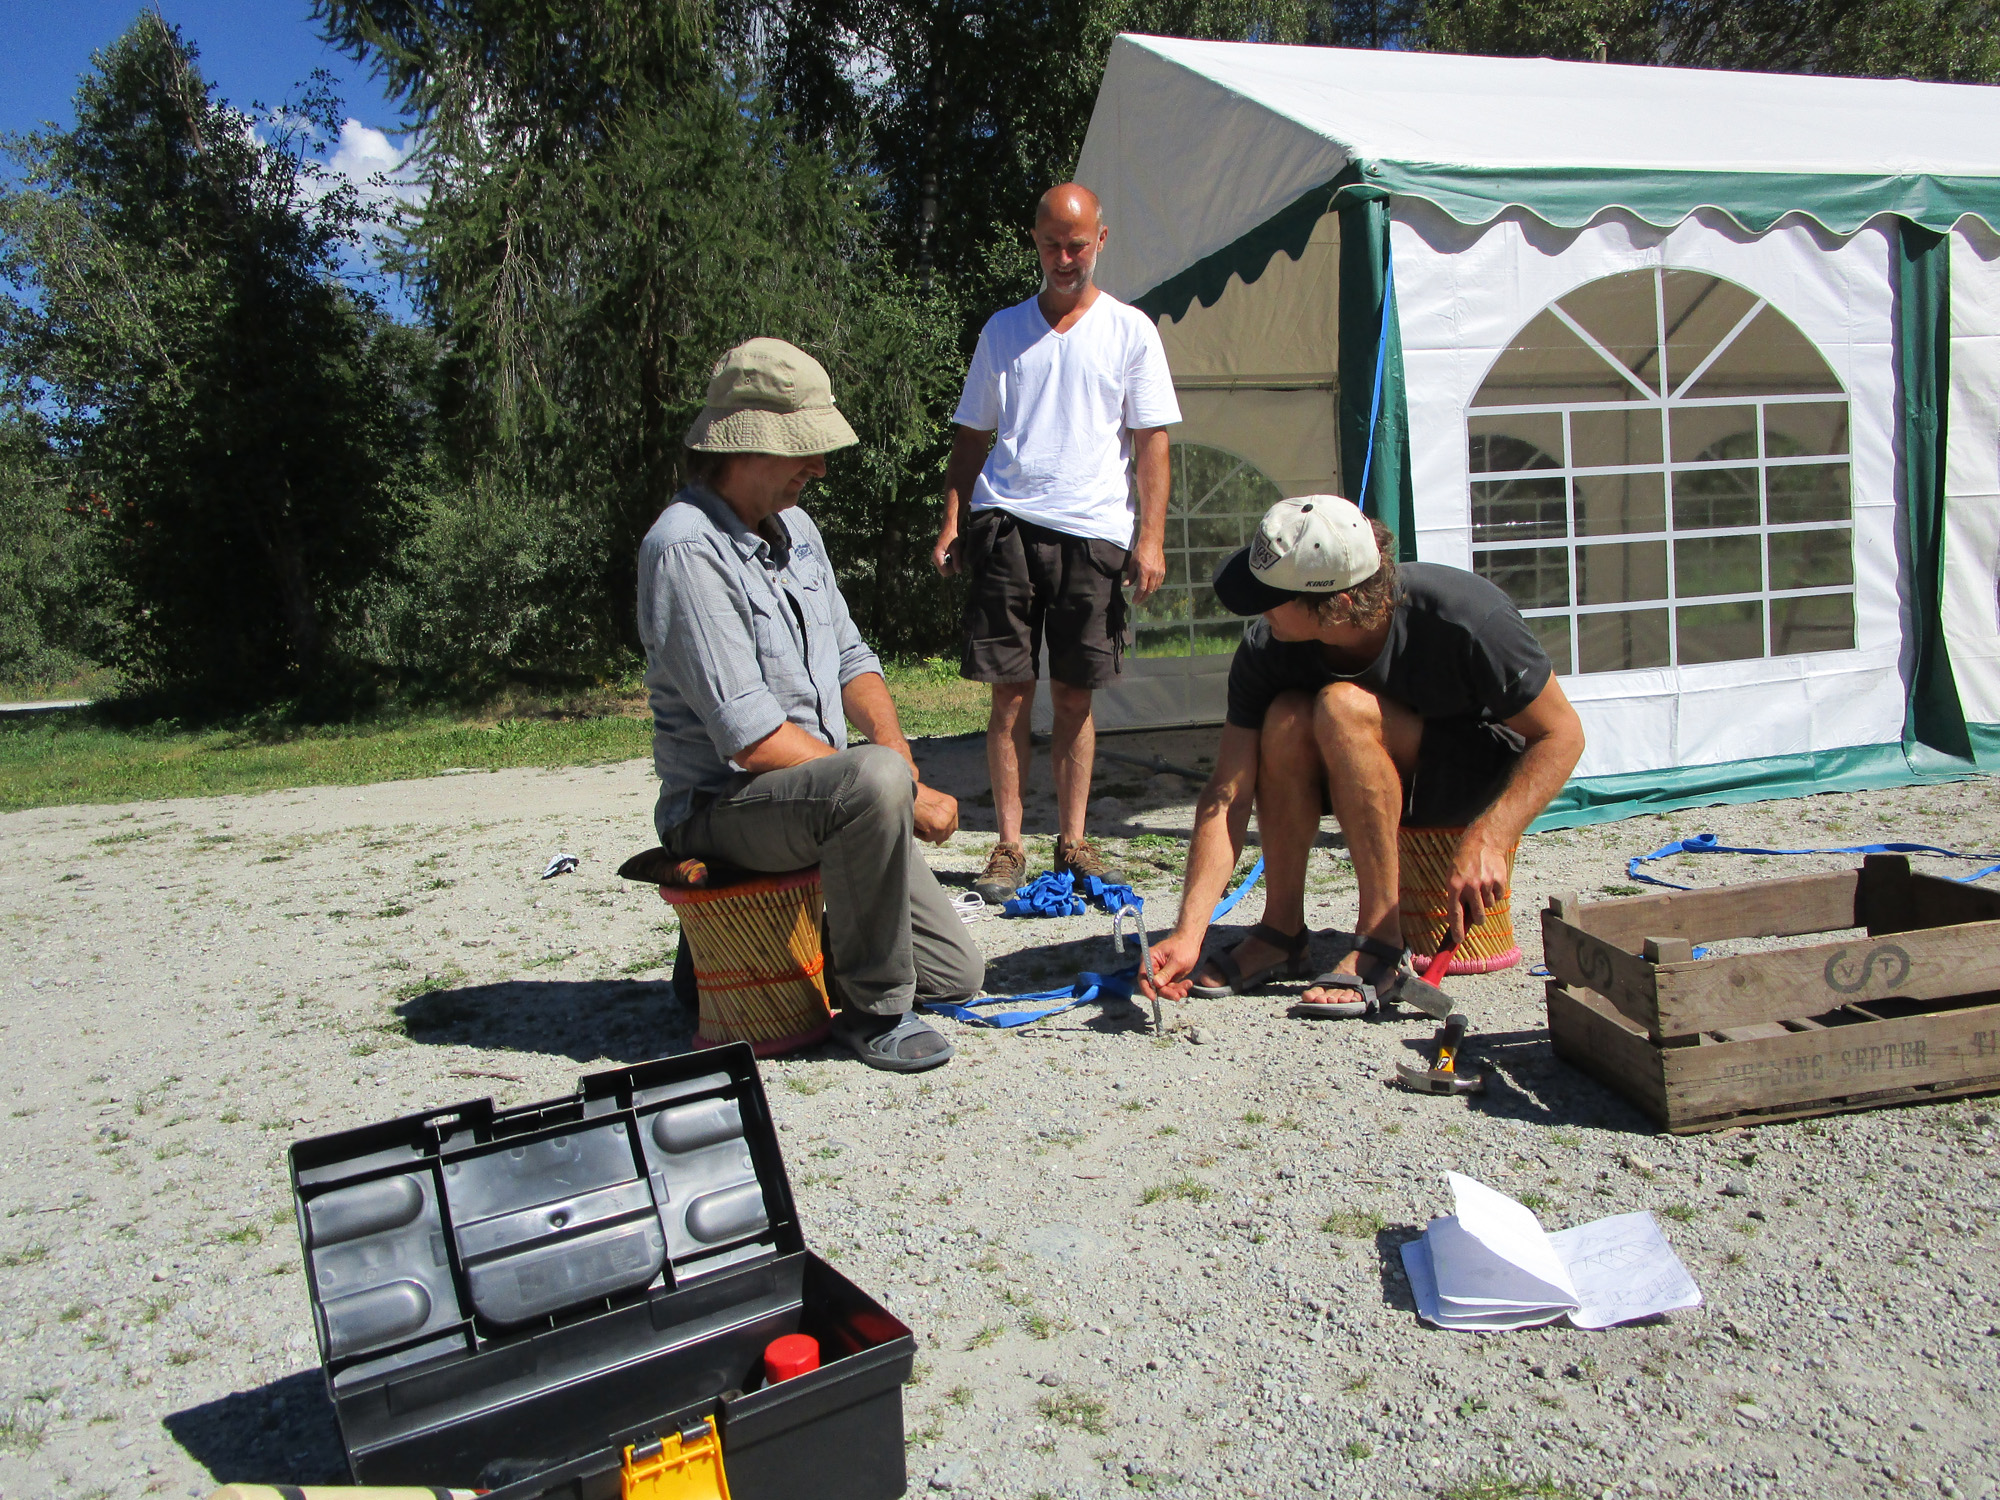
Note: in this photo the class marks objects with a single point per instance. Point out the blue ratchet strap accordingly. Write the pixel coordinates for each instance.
(1706, 843)
(1053, 895)
(1088, 986)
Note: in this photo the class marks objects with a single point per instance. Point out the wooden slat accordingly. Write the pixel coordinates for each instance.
(1582, 960)
(1956, 1048)
(1766, 908)
(1751, 1032)
(1589, 1034)
(1667, 950)
(1712, 993)
(1931, 902)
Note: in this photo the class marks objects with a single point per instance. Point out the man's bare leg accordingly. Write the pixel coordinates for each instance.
(1008, 752)
(1367, 745)
(1072, 755)
(1289, 777)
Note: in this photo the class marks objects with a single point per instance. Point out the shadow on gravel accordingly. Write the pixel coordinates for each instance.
(281, 1433)
(1526, 1081)
(1389, 1266)
(624, 1020)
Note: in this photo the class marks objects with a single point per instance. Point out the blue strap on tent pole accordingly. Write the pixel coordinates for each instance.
(1381, 365)
(1088, 986)
(1706, 843)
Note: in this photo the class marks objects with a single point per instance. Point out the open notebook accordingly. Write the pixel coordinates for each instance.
(1491, 1265)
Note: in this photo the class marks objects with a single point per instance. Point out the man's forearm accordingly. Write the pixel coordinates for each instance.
(1543, 768)
(787, 745)
(1219, 831)
(1155, 474)
(867, 702)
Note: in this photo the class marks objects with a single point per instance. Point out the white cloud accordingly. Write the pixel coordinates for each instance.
(378, 165)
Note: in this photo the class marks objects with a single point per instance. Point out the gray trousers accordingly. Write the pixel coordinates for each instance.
(893, 934)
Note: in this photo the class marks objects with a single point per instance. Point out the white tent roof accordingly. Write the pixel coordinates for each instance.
(1193, 144)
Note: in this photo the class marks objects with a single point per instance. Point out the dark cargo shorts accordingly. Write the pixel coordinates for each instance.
(1027, 583)
(1463, 765)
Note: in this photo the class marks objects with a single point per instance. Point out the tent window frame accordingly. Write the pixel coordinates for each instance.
(1178, 607)
(1689, 603)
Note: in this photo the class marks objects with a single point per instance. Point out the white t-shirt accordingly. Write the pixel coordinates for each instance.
(1063, 407)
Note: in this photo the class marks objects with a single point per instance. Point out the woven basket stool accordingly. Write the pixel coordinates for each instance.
(759, 970)
(1424, 858)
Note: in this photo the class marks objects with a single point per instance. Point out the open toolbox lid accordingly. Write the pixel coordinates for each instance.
(508, 1287)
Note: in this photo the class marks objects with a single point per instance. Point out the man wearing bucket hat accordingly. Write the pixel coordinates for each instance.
(1387, 693)
(754, 669)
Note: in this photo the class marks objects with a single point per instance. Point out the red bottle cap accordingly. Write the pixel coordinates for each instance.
(794, 1354)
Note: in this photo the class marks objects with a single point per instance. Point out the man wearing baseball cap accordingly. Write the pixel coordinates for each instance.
(1389, 693)
(754, 669)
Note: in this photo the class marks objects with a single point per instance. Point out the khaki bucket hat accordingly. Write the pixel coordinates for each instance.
(768, 396)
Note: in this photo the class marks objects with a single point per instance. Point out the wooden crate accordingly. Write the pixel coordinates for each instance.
(1911, 1011)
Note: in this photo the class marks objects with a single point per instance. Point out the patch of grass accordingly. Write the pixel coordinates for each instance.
(22, 1432)
(959, 1396)
(1539, 1202)
(1253, 1117)
(1133, 1106)
(989, 1261)
(1748, 1228)
(1356, 1384)
(1078, 1410)
(1491, 1484)
(1290, 1122)
(808, 1083)
(1681, 1213)
(1471, 1406)
(84, 756)
(179, 1357)
(984, 1337)
(1565, 1138)
(74, 1313)
(154, 1308)
(1357, 1450)
(932, 699)
(230, 1116)
(1619, 890)
(249, 1234)
(1040, 1325)
(1165, 1130)
(27, 1255)
(1185, 1188)
(1354, 1223)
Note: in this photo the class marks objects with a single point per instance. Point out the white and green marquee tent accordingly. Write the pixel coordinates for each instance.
(1702, 368)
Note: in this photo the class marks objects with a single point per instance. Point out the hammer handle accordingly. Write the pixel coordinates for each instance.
(1440, 961)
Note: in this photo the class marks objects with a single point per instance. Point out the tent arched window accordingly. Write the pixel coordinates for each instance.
(1659, 478)
(1216, 503)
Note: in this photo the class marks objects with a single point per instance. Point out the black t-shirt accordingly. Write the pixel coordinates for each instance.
(1457, 648)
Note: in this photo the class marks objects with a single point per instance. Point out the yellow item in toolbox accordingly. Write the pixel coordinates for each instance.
(680, 1466)
(341, 1492)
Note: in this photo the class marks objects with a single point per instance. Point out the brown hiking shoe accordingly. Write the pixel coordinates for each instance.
(1006, 868)
(1080, 859)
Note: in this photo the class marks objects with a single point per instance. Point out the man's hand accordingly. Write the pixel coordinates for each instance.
(936, 814)
(1175, 958)
(1147, 569)
(944, 556)
(1478, 880)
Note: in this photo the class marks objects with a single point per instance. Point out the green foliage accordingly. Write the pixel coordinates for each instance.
(612, 202)
(52, 627)
(236, 417)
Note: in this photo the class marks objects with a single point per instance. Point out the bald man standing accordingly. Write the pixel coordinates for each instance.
(1069, 396)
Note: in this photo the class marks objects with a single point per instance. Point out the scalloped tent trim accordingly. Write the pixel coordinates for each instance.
(1571, 197)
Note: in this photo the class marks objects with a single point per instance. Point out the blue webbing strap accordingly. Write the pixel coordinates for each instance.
(1381, 363)
(1053, 895)
(1706, 843)
(1088, 986)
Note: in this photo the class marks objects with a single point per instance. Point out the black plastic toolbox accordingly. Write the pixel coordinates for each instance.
(506, 1298)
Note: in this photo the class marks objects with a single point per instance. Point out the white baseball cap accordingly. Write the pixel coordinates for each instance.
(1310, 544)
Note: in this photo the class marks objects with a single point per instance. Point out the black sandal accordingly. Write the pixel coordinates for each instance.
(1372, 993)
(1296, 962)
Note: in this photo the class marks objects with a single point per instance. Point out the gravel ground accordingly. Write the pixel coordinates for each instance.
(1135, 1262)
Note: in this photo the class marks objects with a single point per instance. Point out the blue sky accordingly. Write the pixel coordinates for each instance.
(254, 51)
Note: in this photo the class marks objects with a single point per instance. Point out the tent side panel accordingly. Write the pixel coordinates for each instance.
(1972, 487)
(1465, 293)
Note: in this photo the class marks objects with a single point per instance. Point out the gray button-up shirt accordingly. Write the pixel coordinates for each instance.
(740, 636)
